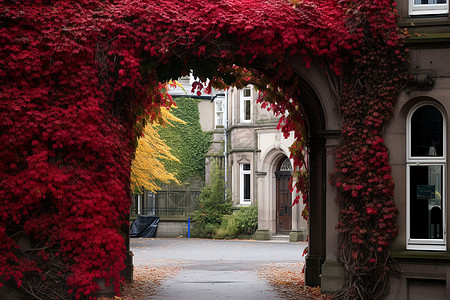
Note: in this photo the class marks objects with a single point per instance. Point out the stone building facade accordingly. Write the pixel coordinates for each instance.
(255, 157)
(417, 137)
(259, 167)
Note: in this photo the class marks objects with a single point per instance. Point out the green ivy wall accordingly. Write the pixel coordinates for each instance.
(188, 142)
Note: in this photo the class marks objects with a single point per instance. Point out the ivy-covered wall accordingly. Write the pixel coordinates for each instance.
(188, 142)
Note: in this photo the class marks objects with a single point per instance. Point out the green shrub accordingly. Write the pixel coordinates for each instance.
(228, 228)
(247, 220)
(243, 222)
(211, 206)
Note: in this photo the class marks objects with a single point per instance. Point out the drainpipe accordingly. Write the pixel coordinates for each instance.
(225, 137)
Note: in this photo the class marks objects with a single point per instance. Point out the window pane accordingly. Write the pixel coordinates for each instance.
(426, 202)
(247, 92)
(220, 106)
(247, 109)
(427, 132)
(219, 120)
(246, 186)
(419, 2)
(246, 167)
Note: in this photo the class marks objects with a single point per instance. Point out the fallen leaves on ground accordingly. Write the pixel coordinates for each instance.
(289, 281)
(145, 281)
(286, 278)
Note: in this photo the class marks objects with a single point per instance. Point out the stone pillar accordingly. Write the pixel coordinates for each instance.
(296, 233)
(295, 217)
(262, 233)
(127, 273)
(318, 178)
(332, 271)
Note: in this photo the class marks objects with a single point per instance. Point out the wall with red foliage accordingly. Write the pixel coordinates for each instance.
(79, 79)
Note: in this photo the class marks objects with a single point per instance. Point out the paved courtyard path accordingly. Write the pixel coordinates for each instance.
(214, 269)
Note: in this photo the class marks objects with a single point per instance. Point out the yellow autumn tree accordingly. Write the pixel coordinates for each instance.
(147, 168)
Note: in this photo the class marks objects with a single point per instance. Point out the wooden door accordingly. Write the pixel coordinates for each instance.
(284, 203)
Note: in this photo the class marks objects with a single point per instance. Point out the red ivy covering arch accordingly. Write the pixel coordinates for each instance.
(79, 79)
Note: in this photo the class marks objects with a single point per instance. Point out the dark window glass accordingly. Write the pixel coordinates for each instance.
(246, 186)
(426, 202)
(430, 1)
(427, 132)
(246, 167)
(247, 109)
(247, 92)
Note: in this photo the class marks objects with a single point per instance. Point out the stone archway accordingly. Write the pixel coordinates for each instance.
(321, 106)
(86, 97)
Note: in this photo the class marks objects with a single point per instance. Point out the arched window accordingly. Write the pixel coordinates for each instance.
(286, 166)
(426, 189)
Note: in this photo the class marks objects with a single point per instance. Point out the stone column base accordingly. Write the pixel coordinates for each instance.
(10, 291)
(105, 290)
(297, 236)
(262, 235)
(332, 277)
(127, 273)
(313, 269)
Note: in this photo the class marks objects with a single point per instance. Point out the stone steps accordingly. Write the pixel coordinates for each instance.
(280, 237)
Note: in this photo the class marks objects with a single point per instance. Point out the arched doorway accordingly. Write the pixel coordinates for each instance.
(283, 196)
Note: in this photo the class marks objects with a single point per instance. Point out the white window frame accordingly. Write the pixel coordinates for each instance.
(427, 9)
(243, 172)
(242, 103)
(219, 121)
(426, 244)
